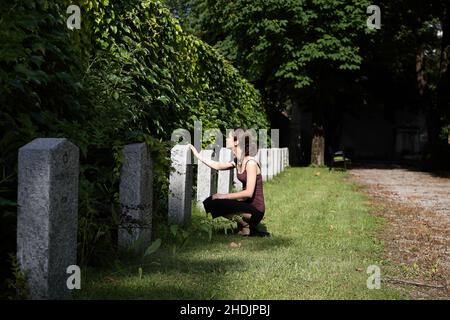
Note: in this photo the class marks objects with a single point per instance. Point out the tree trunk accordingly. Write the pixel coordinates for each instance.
(318, 140)
(318, 148)
(420, 70)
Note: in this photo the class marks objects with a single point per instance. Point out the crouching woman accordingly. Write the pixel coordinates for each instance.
(248, 203)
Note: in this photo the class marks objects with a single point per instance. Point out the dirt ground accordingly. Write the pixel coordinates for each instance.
(417, 238)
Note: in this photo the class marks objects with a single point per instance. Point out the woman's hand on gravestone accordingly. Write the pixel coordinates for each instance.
(194, 151)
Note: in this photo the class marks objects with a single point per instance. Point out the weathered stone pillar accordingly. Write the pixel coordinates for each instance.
(271, 163)
(257, 155)
(225, 177)
(287, 157)
(275, 161)
(276, 158)
(236, 183)
(47, 215)
(205, 179)
(264, 163)
(136, 196)
(280, 160)
(180, 185)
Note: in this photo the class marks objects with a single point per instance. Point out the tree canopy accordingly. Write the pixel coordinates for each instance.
(320, 53)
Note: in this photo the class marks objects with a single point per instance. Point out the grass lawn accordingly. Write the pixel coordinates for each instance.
(323, 239)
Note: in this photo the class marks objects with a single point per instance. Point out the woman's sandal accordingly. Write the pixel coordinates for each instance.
(254, 232)
(242, 227)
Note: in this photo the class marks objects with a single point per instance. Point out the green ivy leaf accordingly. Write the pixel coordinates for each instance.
(153, 247)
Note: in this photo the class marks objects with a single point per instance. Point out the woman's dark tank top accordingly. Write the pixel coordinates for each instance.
(257, 199)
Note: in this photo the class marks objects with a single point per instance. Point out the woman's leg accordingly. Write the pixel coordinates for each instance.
(245, 224)
(246, 217)
(228, 208)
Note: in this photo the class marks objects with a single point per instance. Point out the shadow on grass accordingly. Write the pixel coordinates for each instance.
(126, 292)
(200, 270)
(175, 277)
(255, 243)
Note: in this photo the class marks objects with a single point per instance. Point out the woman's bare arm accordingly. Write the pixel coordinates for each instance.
(252, 170)
(211, 163)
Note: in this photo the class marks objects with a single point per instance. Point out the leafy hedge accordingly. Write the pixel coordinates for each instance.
(129, 75)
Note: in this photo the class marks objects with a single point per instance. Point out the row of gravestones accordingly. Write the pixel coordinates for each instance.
(272, 161)
(47, 215)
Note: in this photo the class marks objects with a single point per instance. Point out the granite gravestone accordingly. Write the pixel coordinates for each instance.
(136, 189)
(47, 215)
(180, 185)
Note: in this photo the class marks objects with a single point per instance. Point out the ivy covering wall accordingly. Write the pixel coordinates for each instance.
(130, 74)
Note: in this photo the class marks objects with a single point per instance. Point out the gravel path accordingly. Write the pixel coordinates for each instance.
(410, 188)
(417, 207)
